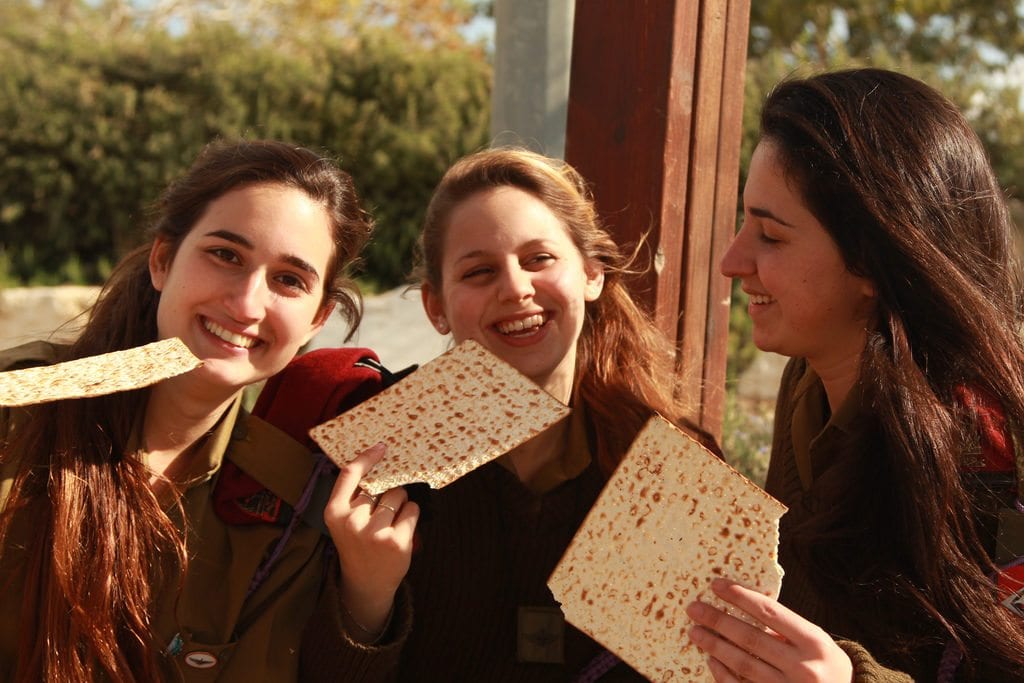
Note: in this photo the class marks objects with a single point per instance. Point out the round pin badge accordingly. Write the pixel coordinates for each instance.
(201, 660)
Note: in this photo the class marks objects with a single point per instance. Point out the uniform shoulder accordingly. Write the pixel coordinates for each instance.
(31, 354)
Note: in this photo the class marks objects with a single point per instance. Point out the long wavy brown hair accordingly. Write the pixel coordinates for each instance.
(625, 366)
(898, 178)
(97, 530)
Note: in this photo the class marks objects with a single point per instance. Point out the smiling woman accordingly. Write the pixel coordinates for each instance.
(112, 529)
(803, 300)
(514, 257)
(244, 289)
(877, 250)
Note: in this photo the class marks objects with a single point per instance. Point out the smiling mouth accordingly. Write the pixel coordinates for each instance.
(241, 340)
(760, 299)
(521, 327)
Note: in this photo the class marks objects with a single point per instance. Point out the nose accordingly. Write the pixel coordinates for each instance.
(246, 298)
(515, 284)
(738, 260)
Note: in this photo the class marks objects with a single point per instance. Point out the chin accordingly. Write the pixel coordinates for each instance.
(231, 380)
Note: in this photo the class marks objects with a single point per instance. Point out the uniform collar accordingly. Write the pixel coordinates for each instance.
(813, 424)
(570, 463)
(210, 451)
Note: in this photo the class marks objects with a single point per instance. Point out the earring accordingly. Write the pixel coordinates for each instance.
(442, 325)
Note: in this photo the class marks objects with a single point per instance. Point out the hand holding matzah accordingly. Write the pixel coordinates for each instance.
(455, 413)
(106, 373)
(789, 649)
(672, 518)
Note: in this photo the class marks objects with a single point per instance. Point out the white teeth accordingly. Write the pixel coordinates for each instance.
(514, 326)
(229, 337)
(760, 299)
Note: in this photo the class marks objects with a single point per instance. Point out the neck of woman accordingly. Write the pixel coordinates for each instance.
(838, 379)
(174, 424)
(530, 458)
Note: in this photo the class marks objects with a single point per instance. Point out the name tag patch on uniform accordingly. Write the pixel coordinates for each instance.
(201, 660)
(541, 635)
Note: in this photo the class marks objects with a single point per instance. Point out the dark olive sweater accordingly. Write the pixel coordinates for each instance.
(817, 460)
(486, 547)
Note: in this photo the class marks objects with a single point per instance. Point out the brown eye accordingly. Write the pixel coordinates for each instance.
(292, 281)
(225, 254)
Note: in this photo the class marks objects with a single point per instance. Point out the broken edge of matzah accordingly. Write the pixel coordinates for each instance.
(672, 518)
(454, 414)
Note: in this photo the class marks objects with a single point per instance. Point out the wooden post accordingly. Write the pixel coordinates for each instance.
(654, 123)
(532, 47)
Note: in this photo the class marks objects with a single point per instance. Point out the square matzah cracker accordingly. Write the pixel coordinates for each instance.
(106, 373)
(457, 412)
(672, 518)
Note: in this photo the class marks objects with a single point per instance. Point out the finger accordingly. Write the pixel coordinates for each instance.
(363, 497)
(405, 522)
(386, 509)
(354, 471)
(738, 663)
(744, 636)
(720, 672)
(393, 498)
(768, 611)
(389, 505)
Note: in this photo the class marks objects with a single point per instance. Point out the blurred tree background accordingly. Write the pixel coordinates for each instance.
(103, 102)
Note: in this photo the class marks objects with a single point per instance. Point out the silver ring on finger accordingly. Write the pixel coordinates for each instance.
(387, 507)
(369, 496)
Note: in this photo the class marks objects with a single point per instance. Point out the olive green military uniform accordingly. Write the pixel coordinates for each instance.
(210, 630)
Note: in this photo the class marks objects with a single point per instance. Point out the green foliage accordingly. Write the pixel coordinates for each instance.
(401, 120)
(958, 46)
(95, 121)
(741, 349)
(747, 436)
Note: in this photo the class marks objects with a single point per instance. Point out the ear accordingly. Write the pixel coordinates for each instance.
(595, 280)
(434, 308)
(319, 321)
(868, 289)
(159, 263)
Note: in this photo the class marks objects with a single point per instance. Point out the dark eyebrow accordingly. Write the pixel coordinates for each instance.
(765, 213)
(235, 238)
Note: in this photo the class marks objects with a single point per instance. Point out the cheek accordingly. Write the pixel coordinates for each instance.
(567, 284)
(303, 318)
(462, 309)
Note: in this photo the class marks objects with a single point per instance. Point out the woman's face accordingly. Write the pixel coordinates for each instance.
(803, 300)
(513, 280)
(245, 287)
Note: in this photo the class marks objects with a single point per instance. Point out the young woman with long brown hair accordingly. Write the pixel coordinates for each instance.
(514, 257)
(115, 563)
(877, 252)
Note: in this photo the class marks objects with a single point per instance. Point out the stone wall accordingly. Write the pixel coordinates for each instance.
(28, 313)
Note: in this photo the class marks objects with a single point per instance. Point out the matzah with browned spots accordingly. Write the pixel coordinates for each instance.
(672, 518)
(106, 373)
(457, 412)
